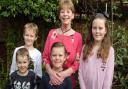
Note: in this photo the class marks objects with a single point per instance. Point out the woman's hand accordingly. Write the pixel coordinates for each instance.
(55, 79)
(61, 75)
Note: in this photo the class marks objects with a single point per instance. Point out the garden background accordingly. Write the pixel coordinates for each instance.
(15, 13)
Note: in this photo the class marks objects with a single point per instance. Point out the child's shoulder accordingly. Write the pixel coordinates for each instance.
(35, 51)
(111, 50)
(31, 73)
(45, 74)
(17, 48)
(52, 31)
(13, 74)
(68, 79)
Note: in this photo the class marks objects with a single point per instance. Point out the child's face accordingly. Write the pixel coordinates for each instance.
(58, 57)
(22, 64)
(98, 29)
(66, 16)
(29, 37)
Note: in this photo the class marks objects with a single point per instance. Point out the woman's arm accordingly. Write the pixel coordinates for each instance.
(74, 67)
(54, 78)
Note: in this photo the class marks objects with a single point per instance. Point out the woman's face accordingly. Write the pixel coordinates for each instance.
(98, 29)
(66, 15)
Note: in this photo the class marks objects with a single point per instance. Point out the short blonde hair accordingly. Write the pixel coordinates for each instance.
(31, 26)
(66, 4)
(22, 52)
(59, 44)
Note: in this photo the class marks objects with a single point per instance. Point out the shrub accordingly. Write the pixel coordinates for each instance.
(120, 43)
(31, 8)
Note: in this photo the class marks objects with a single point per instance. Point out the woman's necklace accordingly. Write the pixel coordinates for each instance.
(66, 30)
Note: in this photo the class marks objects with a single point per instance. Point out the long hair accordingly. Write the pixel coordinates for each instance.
(103, 51)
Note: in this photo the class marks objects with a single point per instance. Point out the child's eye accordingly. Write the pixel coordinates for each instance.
(68, 11)
(26, 35)
(19, 62)
(100, 28)
(62, 11)
(60, 55)
(24, 62)
(53, 55)
(31, 36)
(94, 27)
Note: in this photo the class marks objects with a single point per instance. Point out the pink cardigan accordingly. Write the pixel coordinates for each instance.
(94, 74)
(72, 43)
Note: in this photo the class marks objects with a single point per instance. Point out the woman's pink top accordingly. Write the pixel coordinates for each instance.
(73, 44)
(94, 74)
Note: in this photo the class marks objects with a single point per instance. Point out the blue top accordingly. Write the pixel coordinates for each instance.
(67, 83)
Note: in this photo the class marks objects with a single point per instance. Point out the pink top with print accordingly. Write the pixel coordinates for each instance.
(73, 44)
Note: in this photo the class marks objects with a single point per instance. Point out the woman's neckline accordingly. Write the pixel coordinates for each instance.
(65, 31)
(59, 31)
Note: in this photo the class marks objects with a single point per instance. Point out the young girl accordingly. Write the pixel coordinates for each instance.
(58, 58)
(30, 35)
(97, 58)
(70, 38)
(22, 78)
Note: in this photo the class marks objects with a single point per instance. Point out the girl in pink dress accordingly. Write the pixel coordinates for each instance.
(70, 38)
(97, 57)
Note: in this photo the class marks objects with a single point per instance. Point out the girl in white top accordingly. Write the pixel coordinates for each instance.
(30, 35)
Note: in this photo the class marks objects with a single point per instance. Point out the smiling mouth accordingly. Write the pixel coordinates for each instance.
(65, 18)
(56, 62)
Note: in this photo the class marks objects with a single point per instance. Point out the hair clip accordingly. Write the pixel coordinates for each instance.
(104, 14)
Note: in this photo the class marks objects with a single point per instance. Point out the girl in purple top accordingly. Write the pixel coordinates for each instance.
(97, 57)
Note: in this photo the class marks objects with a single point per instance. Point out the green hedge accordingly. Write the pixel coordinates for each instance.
(120, 43)
(32, 8)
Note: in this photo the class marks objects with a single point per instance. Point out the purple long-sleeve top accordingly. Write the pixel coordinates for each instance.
(94, 74)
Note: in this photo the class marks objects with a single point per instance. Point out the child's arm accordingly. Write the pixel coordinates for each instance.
(8, 85)
(38, 68)
(110, 70)
(13, 65)
(80, 72)
(38, 84)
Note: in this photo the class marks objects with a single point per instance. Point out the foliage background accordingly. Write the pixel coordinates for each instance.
(15, 13)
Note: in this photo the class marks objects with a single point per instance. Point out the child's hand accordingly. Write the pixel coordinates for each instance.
(55, 79)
